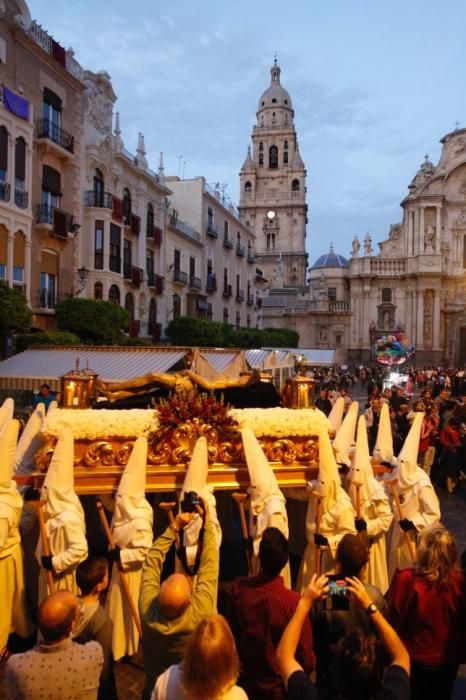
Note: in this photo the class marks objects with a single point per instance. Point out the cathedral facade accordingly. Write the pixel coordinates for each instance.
(414, 283)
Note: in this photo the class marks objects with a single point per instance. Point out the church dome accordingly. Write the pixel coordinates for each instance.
(275, 95)
(330, 259)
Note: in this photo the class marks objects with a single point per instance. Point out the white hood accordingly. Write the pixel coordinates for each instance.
(408, 470)
(9, 494)
(58, 486)
(29, 442)
(6, 413)
(198, 469)
(264, 486)
(361, 474)
(344, 439)
(328, 479)
(130, 500)
(336, 414)
(383, 449)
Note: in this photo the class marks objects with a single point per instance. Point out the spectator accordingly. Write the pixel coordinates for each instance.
(403, 422)
(57, 667)
(172, 610)
(427, 607)
(323, 403)
(372, 418)
(260, 609)
(450, 440)
(210, 667)
(359, 662)
(331, 621)
(93, 623)
(44, 396)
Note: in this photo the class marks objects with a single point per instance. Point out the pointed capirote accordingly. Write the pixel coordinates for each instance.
(58, 486)
(8, 439)
(336, 414)
(6, 413)
(408, 470)
(344, 439)
(29, 442)
(383, 448)
(263, 480)
(198, 469)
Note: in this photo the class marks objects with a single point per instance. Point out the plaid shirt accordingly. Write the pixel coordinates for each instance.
(261, 607)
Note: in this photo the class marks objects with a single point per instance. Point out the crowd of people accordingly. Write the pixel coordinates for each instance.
(377, 608)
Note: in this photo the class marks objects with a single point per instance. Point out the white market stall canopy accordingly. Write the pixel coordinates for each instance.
(318, 358)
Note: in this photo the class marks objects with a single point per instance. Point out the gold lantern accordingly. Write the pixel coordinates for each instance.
(78, 388)
(302, 390)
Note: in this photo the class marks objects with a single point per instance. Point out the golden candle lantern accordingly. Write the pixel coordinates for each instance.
(78, 388)
(302, 391)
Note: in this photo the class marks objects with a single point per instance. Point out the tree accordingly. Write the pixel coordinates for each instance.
(280, 338)
(94, 321)
(201, 332)
(15, 315)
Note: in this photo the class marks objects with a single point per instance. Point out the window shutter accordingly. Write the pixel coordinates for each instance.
(49, 263)
(52, 99)
(51, 180)
(3, 148)
(20, 158)
(115, 235)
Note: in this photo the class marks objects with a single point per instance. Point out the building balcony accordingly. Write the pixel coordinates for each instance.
(212, 231)
(180, 277)
(156, 282)
(227, 291)
(55, 221)
(21, 198)
(114, 263)
(127, 271)
(137, 276)
(250, 300)
(240, 250)
(239, 295)
(195, 283)
(102, 200)
(4, 191)
(211, 285)
(339, 306)
(388, 267)
(251, 257)
(55, 138)
(227, 242)
(154, 235)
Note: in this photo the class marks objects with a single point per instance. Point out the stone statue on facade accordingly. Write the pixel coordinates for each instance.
(368, 244)
(355, 246)
(429, 238)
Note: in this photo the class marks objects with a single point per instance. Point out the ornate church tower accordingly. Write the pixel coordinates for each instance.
(273, 189)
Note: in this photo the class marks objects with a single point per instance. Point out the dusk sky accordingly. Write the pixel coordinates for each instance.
(374, 86)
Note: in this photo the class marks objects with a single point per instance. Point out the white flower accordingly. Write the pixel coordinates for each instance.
(88, 424)
(281, 422)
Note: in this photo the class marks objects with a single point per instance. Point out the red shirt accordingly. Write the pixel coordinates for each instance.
(430, 619)
(261, 608)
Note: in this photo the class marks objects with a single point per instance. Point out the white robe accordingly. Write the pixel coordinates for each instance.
(14, 616)
(420, 505)
(68, 545)
(336, 522)
(378, 515)
(134, 539)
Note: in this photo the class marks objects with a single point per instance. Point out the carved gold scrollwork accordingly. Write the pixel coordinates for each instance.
(310, 451)
(159, 452)
(44, 455)
(98, 452)
(282, 451)
(229, 452)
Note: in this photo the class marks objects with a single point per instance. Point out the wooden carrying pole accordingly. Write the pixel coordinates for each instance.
(409, 542)
(240, 498)
(317, 531)
(363, 534)
(45, 543)
(168, 508)
(124, 581)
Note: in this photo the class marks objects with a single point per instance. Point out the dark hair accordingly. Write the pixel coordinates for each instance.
(44, 386)
(90, 573)
(359, 665)
(273, 551)
(352, 555)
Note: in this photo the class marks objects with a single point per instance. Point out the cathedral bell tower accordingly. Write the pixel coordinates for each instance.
(273, 189)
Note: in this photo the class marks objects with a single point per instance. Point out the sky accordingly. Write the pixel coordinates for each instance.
(374, 84)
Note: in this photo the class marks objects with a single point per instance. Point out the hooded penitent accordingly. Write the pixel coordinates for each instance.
(328, 483)
(344, 439)
(58, 486)
(9, 495)
(196, 480)
(29, 442)
(6, 413)
(408, 470)
(361, 474)
(383, 449)
(336, 414)
(264, 489)
(130, 500)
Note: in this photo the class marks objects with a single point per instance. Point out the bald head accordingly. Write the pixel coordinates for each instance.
(57, 614)
(175, 596)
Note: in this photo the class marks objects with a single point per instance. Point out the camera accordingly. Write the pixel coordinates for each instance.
(337, 587)
(337, 593)
(190, 502)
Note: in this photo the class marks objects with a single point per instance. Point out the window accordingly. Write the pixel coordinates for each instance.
(273, 157)
(51, 111)
(177, 260)
(210, 218)
(238, 319)
(129, 305)
(285, 157)
(225, 315)
(18, 276)
(387, 295)
(98, 188)
(3, 153)
(19, 256)
(114, 294)
(152, 317)
(248, 321)
(270, 241)
(2, 271)
(127, 259)
(51, 187)
(261, 160)
(99, 245)
(238, 284)
(332, 293)
(98, 291)
(261, 146)
(20, 163)
(295, 186)
(48, 290)
(225, 278)
(285, 144)
(176, 306)
(150, 265)
(126, 207)
(225, 229)
(115, 249)
(338, 340)
(150, 221)
(274, 100)
(247, 186)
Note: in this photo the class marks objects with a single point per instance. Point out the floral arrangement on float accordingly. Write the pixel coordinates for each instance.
(393, 349)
